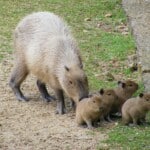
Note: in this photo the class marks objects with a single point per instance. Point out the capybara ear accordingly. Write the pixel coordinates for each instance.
(101, 91)
(123, 85)
(119, 82)
(67, 69)
(141, 95)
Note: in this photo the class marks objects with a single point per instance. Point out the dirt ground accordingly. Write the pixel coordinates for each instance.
(34, 125)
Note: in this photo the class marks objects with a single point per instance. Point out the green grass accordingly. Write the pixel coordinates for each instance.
(103, 49)
(129, 138)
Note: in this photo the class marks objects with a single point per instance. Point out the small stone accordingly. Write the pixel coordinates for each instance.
(108, 15)
(87, 19)
(116, 123)
(85, 31)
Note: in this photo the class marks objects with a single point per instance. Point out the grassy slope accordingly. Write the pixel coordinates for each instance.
(103, 48)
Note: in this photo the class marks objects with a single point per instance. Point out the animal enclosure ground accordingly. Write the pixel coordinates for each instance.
(34, 124)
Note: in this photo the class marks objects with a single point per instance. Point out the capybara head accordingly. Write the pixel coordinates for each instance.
(145, 100)
(75, 83)
(108, 95)
(96, 103)
(128, 86)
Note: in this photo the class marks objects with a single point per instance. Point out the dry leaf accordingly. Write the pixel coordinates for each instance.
(125, 33)
(108, 15)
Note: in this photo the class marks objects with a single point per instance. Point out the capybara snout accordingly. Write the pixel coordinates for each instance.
(75, 84)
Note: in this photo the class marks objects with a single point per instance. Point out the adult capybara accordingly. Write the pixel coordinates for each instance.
(45, 47)
(134, 110)
(109, 97)
(89, 110)
(124, 91)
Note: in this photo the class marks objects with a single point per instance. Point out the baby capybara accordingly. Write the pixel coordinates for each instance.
(108, 96)
(124, 91)
(134, 110)
(89, 110)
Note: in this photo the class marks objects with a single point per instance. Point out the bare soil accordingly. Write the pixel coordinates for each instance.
(34, 125)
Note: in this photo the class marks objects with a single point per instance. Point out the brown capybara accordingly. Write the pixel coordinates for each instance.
(124, 91)
(108, 96)
(45, 47)
(134, 109)
(89, 110)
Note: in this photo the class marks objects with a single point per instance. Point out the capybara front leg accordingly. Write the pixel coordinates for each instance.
(108, 118)
(73, 104)
(135, 121)
(17, 77)
(89, 124)
(42, 88)
(60, 102)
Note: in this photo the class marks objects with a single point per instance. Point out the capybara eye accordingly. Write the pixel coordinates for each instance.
(130, 84)
(70, 82)
(109, 94)
(147, 99)
(93, 101)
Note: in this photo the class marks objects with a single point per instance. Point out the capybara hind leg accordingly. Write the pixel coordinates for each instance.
(17, 77)
(43, 91)
(60, 102)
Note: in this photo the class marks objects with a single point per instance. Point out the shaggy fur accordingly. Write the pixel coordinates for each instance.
(45, 47)
(89, 110)
(124, 91)
(134, 110)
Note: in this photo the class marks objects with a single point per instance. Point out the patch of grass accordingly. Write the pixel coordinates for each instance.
(124, 137)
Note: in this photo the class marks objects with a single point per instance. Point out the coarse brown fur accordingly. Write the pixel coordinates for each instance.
(109, 97)
(134, 110)
(89, 110)
(124, 91)
(45, 47)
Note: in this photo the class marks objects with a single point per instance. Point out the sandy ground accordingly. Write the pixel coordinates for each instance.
(34, 125)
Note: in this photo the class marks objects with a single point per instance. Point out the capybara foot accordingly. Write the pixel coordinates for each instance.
(82, 126)
(60, 111)
(22, 98)
(44, 92)
(48, 98)
(132, 125)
